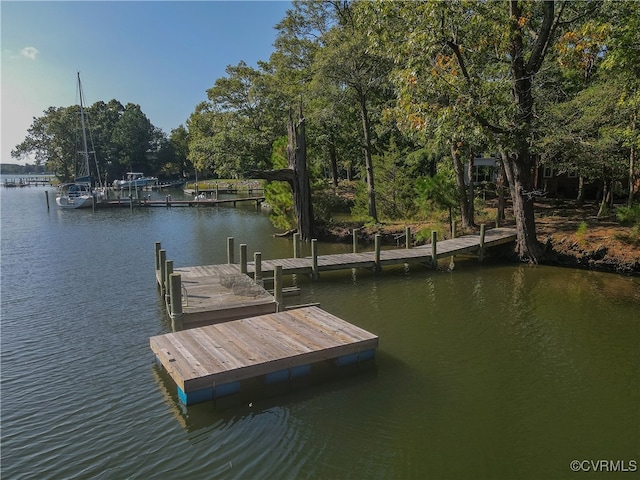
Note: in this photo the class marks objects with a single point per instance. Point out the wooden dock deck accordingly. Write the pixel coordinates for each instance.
(344, 261)
(209, 362)
(219, 293)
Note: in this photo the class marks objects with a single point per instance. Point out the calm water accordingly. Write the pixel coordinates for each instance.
(489, 371)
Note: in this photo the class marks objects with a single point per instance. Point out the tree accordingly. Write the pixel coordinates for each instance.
(297, 176)
(54, 141)
(233, 132)
(132, 136)
(346, 60)
(623, 57)
(487, 57)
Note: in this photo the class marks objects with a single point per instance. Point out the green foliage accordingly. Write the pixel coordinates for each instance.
(629, 216)
(360, 209)
(122, 138)
(436, 193)
(424, 235)
(326, 203)
(394, 184)
(582, 228)
(278, 194)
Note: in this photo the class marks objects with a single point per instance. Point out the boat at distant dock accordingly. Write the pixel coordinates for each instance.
(135, 180)
(81, 193)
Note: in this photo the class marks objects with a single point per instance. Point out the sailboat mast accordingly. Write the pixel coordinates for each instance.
(85, 150)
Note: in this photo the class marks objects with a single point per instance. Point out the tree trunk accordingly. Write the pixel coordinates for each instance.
(296, 176)
(461, 187)
(297, 156)
(519, 165)
(501, 200)
(606, 192)
(333, 161)
(368, 160)
(632, 164)
(518, 171)
(580, 196)
(471, 192)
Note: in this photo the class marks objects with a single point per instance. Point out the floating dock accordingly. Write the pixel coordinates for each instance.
(209, 362)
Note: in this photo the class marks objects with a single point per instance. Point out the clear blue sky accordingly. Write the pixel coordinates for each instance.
(162, 55)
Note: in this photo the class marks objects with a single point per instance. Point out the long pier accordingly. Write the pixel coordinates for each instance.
(204, 294)
(168, 202)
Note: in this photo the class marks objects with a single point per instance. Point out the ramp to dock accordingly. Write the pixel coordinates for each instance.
(208, 362)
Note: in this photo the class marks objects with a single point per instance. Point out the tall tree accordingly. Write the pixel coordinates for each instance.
(492, 54)
(132, 137)
(346, 60)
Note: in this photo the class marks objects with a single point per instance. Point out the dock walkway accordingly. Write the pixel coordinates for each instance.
(422, 254)
(210, 361)
(168, 202)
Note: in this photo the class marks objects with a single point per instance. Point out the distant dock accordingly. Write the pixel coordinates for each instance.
(168, 202)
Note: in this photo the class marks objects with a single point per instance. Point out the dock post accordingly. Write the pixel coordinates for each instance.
(175, 297)
(355, 240)
(407, 237)
(168, 270)
(453, 229)
(481, 249)
(46, 195)
(243, 258)
(163, 265)
(296, 245)
(230, 258)
(314, 257)
(157, 247)
(434, 253)
(257, 271)
(277, 287)
(131, 203)
(377, 242)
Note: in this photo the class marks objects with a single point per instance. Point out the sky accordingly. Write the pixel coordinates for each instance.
(161, 55)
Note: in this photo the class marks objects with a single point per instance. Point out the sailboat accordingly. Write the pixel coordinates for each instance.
(81, 194)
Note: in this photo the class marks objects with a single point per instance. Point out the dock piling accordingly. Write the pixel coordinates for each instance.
(257, 263)
(434, 253)
(481, 248)
(296, 245)
(175, 297)
(46, 195)
(163, 265)
(168, 270)
(355, 240)
(377, 243)
(314, 256)
(157, 246)
(230, 259)
(407, 237)
(243, 258)
(277, 287)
